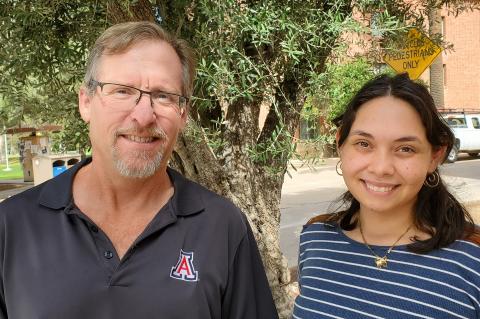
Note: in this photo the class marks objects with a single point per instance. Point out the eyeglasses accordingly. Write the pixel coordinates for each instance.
(127, 97)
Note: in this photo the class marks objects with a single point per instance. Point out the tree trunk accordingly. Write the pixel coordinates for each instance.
(256, 192)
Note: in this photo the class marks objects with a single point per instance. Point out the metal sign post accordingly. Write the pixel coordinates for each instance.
(8, 168)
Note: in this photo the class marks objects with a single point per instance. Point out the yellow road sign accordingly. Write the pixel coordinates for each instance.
(415, 55)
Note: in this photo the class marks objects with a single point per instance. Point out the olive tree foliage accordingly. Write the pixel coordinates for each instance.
(334, 87)
(42, 57)
(258, 61)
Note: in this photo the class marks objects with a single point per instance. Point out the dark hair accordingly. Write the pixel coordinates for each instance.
(437, 212)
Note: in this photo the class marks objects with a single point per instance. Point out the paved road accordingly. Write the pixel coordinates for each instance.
(467, 167)
(309, 193)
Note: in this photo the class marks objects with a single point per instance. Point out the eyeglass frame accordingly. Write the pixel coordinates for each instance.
(94, 83)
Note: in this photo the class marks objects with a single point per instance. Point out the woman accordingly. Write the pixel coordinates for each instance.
(404, 247)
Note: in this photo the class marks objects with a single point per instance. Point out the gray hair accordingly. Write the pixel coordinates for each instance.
(121, 37)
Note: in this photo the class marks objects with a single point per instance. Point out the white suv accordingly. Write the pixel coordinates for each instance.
(465, 125)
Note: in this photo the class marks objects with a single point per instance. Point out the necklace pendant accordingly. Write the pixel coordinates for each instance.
(381, 262)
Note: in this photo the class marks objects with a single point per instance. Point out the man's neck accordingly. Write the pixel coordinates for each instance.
(122, 207)
(116, 194)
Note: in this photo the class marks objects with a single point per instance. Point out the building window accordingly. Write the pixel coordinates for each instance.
(444, 28)
(444, 75)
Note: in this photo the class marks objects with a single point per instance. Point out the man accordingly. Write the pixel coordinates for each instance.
(121, 235)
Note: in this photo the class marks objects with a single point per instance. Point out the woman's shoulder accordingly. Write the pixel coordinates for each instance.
(474, 237)
(464, 251)
(320, 224)
(322, 219)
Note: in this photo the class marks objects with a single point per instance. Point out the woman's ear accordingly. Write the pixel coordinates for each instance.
(437, 157)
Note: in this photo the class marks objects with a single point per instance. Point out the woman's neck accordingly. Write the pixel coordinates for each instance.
(379, 227)
(383, 229)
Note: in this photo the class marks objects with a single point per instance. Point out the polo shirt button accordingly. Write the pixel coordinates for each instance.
(108, 254)
(94, 228)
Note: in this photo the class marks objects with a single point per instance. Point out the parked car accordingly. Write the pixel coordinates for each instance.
(465, 125)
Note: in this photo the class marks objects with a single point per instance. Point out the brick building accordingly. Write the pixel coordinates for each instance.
(454, 76)
(461, 67)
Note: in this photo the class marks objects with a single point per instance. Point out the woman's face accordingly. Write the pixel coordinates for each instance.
(386, 156)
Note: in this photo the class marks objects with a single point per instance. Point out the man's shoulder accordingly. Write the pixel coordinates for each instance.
(28, 198)
(53, 194)
(202, 206)
(22, 211)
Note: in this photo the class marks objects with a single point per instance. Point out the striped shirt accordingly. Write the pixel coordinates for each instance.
(338, 279)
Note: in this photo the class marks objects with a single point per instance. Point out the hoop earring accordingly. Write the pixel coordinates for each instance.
(338, 168)
(432, 180)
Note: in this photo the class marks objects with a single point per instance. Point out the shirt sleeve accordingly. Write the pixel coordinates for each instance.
(3, 306)
(3, 312)
(248, 294)
(301, 250)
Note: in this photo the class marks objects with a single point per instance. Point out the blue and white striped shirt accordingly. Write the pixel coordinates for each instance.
(338, 279)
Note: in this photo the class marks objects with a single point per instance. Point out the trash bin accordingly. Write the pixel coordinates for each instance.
(58, 167)
(72, 162)
(48, 166)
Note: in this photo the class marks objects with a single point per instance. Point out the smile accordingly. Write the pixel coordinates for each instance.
(140, 139)
(379, 189)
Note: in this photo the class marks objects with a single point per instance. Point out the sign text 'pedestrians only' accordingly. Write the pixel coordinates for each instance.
(415, 55)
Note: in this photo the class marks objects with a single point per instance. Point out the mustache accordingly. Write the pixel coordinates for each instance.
(156, 132)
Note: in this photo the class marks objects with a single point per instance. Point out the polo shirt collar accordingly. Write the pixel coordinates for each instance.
(57, 192)
(186, 200)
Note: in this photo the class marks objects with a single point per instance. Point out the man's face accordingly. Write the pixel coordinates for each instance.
(137, 141)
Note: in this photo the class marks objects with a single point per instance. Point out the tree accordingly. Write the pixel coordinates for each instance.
(344, 80)
(341, 79)
(252, 54)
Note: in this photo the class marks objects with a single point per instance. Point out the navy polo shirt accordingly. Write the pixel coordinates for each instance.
(196, 259)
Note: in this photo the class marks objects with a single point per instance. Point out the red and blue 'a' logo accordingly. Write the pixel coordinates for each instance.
(184, 269)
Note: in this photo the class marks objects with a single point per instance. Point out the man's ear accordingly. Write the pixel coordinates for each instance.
(84, 103)
(184, 118)
(437, 157)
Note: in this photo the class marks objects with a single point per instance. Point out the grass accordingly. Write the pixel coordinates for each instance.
(16, 169)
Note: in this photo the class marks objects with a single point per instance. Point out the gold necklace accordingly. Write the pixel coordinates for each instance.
(381, 262)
